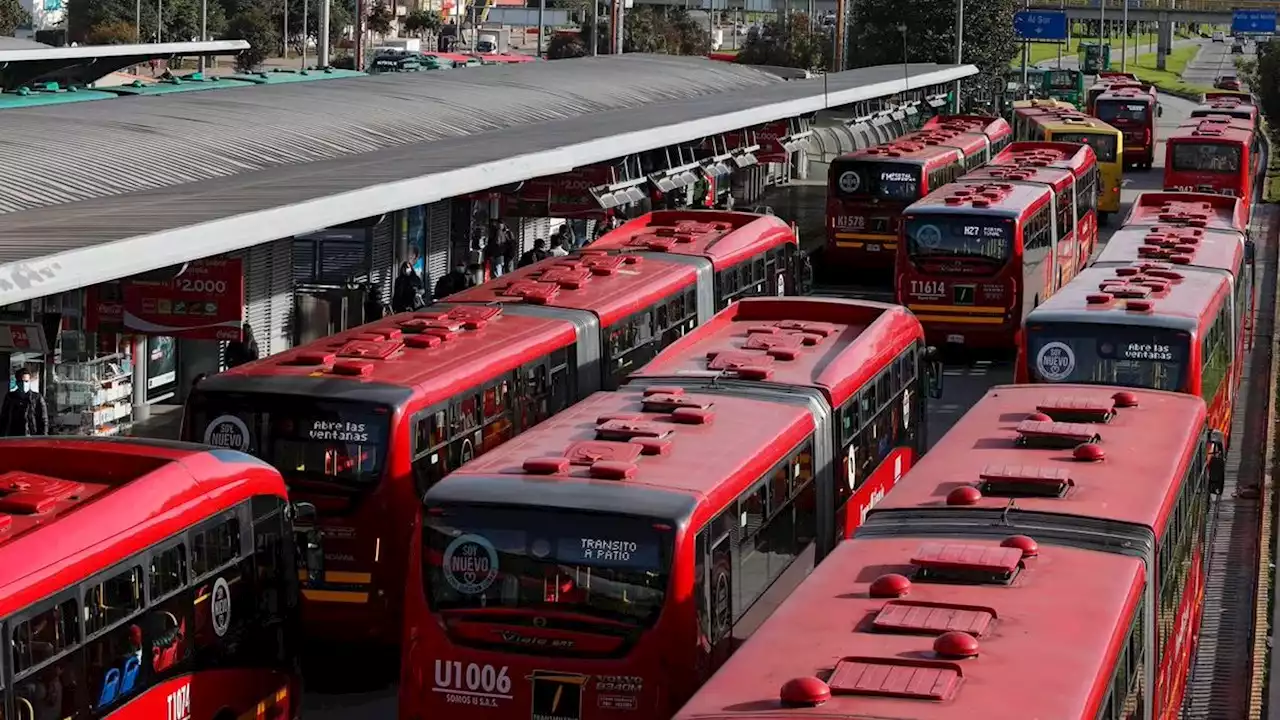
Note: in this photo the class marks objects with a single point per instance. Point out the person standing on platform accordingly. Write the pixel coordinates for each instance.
(408, 293)
(243, 350)
(454, 282)
(24, 411)
(539, 252)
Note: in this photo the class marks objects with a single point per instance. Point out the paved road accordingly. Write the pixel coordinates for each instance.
(965, 383)
(1214, 61)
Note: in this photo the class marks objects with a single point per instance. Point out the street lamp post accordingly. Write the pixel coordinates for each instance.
(159, 21)
(204, 30)
(1124, 35)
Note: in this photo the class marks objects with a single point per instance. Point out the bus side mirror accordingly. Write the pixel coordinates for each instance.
(1217, 462)
(933, 372)
(304, 513)
(1250, 249)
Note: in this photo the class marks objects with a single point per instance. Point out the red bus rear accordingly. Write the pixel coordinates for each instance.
(144, 579)
(1215, 154)
(867, 191)
(749, 254)
(1083, 164)
(1132, 111)
(976, 257)
(535, 580)
(994, 554)
(1173, 328)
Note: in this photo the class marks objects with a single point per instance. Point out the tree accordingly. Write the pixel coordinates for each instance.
(113, 33)
(989, 41)
(181, 18)
(796, 44)
(12, 16)
(380, 19)
(1263, 78)
(422, 23)
(254, 26)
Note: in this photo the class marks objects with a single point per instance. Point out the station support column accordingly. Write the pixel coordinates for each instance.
(141, 411)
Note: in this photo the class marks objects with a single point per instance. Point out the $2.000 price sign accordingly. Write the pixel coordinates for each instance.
(205, 302)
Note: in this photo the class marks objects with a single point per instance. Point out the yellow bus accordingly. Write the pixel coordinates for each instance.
(1023, 110)
(1107, 143)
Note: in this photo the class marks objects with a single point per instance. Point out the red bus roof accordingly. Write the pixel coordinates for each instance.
(1128, 296)
(1227, 106)
(991, 198)
(826, 343)
(432, 353)
(993, 127)
(1072, 156)
(71, 507)
(1214, 129)
(1057, 178)
(969, 143)
(1240, 97)
(927, 157)
(1054, 632)
(725, 238)
(1126, 92)
(611, 286)
(662, 454)
(1116, 76)
(1194, 247)
(1206, 210)
(1133, 484)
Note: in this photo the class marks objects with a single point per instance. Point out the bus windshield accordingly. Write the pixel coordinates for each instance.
(1206, 157)
(1123, 112)
(887, 181)
(337, 442)
(960, 236)
(607, 567)
(1104, 145)
(1062, 79)
(1127, 355)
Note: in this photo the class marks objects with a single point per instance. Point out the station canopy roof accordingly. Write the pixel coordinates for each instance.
(96, 191)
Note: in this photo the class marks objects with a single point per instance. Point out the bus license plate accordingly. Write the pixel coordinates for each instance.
(955, 339)
(873, 247)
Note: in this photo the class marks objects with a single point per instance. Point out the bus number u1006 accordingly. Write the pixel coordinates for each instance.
(473, 679)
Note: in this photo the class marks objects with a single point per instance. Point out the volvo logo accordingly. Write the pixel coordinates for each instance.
(539, 622)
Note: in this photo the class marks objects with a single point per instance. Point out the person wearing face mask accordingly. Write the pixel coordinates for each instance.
(24, 411)
(408, 293)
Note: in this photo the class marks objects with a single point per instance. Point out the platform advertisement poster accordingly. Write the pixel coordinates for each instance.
(204, 302)
(567, 195)
(769, 138)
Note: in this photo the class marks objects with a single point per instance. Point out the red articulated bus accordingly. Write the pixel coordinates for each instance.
(144, 579)
(867, 191)
(1132, 111)
(574, 569)
(363, 422)
(749, 254)
(760, 341)
(976, 257)
(1083, 164)
(1214, 154)
(1145, 326)
(1019, 553)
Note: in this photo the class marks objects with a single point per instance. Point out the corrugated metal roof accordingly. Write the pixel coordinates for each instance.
(131, 185)
(131, 146)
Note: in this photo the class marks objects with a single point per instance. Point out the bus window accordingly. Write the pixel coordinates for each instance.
(168, 571)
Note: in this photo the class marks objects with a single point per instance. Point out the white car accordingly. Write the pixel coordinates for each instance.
(1219, 36)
